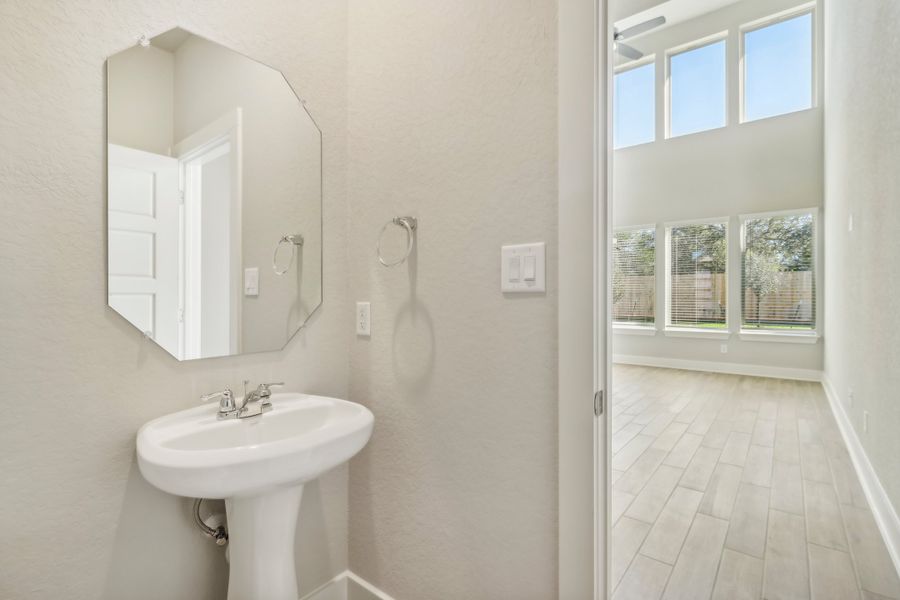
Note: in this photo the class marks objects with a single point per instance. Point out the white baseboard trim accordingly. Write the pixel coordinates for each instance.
(885, 516)
(720, 367)
(347, 586)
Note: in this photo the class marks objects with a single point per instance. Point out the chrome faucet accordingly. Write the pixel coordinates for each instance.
(256, 402)
(251, 404)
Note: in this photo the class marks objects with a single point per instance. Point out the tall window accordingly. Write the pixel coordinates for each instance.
(697, 89)
(778, 68)
(778, 286)
(634, 106)
(698, 290)
(634, 276)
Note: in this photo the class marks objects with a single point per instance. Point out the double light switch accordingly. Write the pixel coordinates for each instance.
(523, 268)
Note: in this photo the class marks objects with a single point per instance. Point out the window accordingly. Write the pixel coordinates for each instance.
(778, 68)
(697, 89)
(634, 106)
(634, 276)
(778, 287)
(697, 284)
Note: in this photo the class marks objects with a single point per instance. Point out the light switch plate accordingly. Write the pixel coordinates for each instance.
(516, 265)
(251, 281)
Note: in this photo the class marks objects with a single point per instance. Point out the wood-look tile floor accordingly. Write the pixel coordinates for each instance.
(732, 487)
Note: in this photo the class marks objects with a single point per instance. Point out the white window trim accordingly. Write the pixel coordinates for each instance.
(634, 329)
(697, 332)
(801, 336)
(768, 335)
(721, 36)
(743, 30)
(636, 64)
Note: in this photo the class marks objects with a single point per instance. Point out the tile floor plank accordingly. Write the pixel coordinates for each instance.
(824, 525)
(667, 535)
(718, 499)
(740, 577)
(645, 580)
(694, 573)
(831, 575)
(786, 573)
(650, 502)
(747, 528)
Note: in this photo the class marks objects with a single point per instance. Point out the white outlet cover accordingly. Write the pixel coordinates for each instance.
(363, 319)
(515, 263)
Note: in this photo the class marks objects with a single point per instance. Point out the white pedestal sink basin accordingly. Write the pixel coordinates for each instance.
(258, 465)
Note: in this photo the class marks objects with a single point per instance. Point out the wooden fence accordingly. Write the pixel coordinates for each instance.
(704, 298)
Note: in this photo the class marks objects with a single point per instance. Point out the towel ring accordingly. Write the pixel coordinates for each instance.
(294, 241)
(407, 223)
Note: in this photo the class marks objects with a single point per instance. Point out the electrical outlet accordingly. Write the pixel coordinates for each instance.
(724, 348)
(850, 398)
(363, 319)
(865, 421)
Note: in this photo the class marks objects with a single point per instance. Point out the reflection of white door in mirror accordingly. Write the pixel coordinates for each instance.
(210, 172)
(143, 241)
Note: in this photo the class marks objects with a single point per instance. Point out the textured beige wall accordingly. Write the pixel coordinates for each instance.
(862, 180)
(452, 118)
(77, 519)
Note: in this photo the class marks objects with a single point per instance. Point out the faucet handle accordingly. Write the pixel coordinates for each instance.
(226, 401)
(265, 389)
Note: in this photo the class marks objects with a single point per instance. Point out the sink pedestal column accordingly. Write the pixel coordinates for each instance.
(261, 531)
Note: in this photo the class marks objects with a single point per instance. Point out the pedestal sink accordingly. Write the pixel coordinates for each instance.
(258, 466)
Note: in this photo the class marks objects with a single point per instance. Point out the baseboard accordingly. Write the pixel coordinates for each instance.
(347, 586)
(882, 509)
(720, 367)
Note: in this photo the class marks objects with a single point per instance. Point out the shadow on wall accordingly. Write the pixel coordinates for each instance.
(188, 565)
(185, 566)
(413, 342)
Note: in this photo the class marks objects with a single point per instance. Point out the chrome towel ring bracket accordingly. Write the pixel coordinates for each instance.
(293, 240)
(407, 223)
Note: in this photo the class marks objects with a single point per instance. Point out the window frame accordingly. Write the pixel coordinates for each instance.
(637, 328)
(721, 36)
(767, 21)
(649, 59)
(697, 332)
(809, 336)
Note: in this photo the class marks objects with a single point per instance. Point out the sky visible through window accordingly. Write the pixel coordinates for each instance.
(697, 89)
(778, 68)
(634, 106)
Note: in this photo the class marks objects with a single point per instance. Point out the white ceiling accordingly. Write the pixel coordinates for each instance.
(675, 11)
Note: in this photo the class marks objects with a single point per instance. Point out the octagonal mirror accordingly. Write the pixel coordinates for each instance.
(214, 198)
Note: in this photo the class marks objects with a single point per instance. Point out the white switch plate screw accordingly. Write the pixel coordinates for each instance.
(850, 397)
(724, 348)
(363, 319)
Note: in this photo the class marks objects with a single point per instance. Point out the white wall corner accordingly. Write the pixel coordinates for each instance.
(347, 586)
(720, 367)
(882, 509)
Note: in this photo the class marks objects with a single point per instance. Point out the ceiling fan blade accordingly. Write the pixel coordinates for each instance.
(641, 28)
(628, 52)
